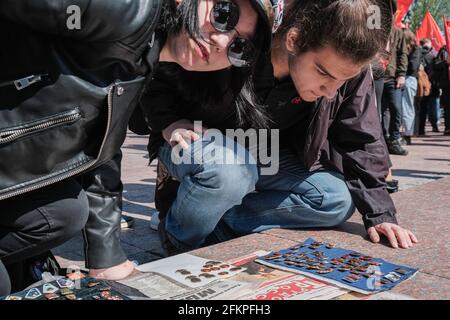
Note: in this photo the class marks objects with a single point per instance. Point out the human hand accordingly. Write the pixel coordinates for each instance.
(181, 133)
(395, 234)
(400, 82)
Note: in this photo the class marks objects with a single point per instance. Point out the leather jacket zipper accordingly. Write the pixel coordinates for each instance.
(24, 82)
(64, 118)
(58, 176)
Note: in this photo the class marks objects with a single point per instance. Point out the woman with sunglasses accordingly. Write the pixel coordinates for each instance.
(319, 91)
(71, 76)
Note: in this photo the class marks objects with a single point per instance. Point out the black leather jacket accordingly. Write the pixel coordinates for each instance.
(66, 93)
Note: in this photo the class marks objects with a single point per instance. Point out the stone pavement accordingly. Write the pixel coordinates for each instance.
(422, 207)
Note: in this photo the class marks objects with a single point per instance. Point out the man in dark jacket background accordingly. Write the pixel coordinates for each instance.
(428, 104)
(442, 65)
(394, 80)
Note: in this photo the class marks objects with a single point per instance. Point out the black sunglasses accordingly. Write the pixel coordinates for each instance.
(224, 18)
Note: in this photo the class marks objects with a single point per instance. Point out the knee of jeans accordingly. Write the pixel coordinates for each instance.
(235, 180)
(340, 208)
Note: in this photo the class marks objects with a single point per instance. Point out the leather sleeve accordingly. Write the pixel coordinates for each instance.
(100, 20)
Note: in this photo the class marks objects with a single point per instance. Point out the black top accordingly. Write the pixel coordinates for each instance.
(414, 60)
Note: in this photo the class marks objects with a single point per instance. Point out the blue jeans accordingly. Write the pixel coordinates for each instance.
(210, 193)
(209, 187)
(408, 109)
(294, 198)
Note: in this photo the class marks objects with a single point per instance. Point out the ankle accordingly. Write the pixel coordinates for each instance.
(117, 272)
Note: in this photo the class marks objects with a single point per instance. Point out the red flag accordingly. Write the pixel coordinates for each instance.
(447, 32)
(447, 39)
(402, 10)
(429, 29)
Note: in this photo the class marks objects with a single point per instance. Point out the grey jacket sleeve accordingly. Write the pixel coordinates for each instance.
(356, 135)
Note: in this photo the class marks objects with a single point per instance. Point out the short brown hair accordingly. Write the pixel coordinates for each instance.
(343, 24)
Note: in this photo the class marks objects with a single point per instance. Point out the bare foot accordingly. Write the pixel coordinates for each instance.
(118, 272)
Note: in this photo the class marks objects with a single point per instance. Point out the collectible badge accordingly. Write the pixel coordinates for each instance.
(65, 283)
(49, 288)
(51, 296)
(33, 294)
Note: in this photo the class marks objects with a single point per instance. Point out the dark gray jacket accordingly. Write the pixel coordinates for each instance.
(343, 134)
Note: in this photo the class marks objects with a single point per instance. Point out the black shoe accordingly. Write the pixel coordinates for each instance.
(447, 133)
(168, 247)
(394, 147)
(407, 140)
(392, 186)
(436, 129)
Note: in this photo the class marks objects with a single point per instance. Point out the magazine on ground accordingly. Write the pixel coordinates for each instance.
(344, 268)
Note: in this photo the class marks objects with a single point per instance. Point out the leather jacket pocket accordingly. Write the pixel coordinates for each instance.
(41, 148)
(11, 134)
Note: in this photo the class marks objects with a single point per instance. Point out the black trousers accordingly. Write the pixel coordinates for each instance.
(445, 102)
(379, 88)
(392, 109)
(427, 106)
(38, 221)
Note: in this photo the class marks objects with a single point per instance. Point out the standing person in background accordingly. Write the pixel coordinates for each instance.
(410, 90)
(378, 66)
(441, 68)
(423, 90)
(428, 105)
(394, 81)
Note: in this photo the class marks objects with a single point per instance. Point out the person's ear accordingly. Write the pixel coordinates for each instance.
(292, 38)
(178, 2)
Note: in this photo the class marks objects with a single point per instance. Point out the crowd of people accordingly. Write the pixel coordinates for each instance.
(68, 96)
(412, 85)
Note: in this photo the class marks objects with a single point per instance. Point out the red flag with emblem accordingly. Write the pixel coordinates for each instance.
(429, 29)
(402, 10)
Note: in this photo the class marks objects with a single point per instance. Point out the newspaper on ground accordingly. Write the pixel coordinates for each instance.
(159, 287)
(191, 270)
(265, 283)
(160, 280)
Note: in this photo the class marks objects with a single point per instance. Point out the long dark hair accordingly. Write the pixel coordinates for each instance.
(200, 87)
(343, 24)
